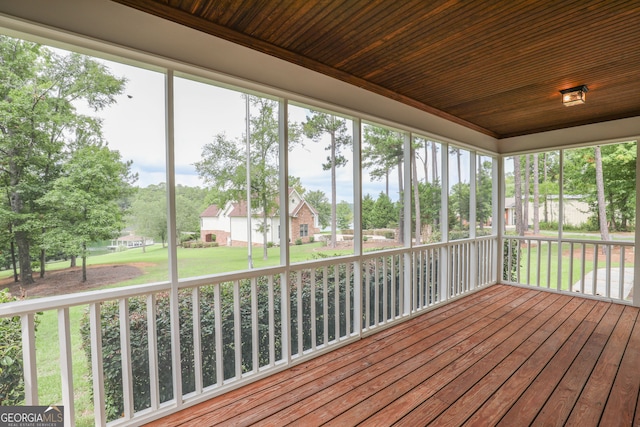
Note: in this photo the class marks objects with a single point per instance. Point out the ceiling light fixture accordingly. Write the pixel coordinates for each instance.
(574, 96)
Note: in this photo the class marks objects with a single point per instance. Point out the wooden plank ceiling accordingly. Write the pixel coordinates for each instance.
(496, 66)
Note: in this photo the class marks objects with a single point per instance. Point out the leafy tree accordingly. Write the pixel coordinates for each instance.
(430, 200)
(317, 125)
(518, 195)
(345, 215)
(86, 197)
(224, 162)
(367, 212)
(321, 204)
(384, 212)
(148, 213)
(484, 193)
(385, 151)
(459, 204)
(618, 181)
(37, 96)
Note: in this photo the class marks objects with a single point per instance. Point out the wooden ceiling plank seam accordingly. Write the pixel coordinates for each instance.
(294, 18)
(210, 10)
(603, 58)
(491, 77)
(314, 38)
(447, 56)
(303, 42)
(263, 20)
(243, 17)
(364, 61)
(360, 34)
(509, 59)
(464, 51)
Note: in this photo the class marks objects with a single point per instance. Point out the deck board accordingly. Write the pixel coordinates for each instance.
(502, 356)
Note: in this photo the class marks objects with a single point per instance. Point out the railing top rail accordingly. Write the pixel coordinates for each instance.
(18, 308)
(571, 240)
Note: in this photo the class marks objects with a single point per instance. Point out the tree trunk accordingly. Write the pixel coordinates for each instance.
(416, 196)
(602, 212)
(14, 262)
(544, 172)
(400, 204)
(144, 247)
(434, 161)
(536, 195)
(72, 262)
(24, 258)
(84, 262)
(334, 217)
(525, 215)
(43, 258)
(517, 178)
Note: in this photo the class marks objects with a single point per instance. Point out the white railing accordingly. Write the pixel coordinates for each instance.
(597, 268)
(238, 327)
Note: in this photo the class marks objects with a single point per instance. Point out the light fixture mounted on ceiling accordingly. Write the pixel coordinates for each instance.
(574, 96)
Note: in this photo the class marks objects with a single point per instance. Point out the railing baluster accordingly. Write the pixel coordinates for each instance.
(314, 318)
(125, 358)
(255, 346)
(582, 267)
(549, 249)
(376, 293)
(29, 359)
(325, 304)
(347, 298)
(367, 298)
(608, 272)
(621, 274)
(66, 366)
(299, 313)
(152, 340)
(197, 339)
(393, 287)
(570, 266)
(595, 270)
(97, 370)
(237, 329)
(217, 306)
(336, 307)
(272, 328)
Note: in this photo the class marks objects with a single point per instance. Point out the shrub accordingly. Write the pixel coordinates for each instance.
(311, 239)
(269, 244)
(389, 235)
(11, 369)
(298, 241)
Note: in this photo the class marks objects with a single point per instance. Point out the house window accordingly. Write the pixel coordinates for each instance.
(304, 230)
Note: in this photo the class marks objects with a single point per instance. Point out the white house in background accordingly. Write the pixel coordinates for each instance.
(129, 242)
(576, 210)
(228, 225)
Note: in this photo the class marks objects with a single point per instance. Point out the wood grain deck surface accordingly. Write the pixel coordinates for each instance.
(503, 356)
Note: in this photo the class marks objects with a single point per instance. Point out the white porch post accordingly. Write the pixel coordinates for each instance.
(357, 225)
(444, 224)
(408, 264)
(473, 205)
(636, 253)
(498, 223)
(283, 135)
(173, 241)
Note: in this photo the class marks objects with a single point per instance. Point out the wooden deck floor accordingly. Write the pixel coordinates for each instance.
(504, 356)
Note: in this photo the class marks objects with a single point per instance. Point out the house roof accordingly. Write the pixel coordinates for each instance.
(494, 66)
(210, 211)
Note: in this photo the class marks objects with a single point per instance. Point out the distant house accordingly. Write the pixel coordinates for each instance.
(228, 225)
(576, 210)
(130, 241)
